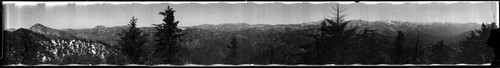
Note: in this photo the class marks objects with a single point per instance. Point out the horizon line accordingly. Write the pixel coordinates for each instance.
(264, 24)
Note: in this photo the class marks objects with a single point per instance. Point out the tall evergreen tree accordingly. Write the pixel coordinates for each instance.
(168, 37)
(399, 55)
(132, 41)
(333, 39)
(233, 47)
(415, 54)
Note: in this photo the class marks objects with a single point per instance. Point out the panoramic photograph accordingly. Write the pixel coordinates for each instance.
(256, 33)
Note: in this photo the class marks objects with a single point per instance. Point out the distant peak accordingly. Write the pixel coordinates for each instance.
(37, 25)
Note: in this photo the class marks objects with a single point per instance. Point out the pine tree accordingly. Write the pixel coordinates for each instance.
(415, 54)
(332, 41)
(168, 37)
(233, 55)
(132, 41)
(398, 48)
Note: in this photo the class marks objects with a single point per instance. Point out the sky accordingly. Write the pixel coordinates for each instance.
(190, 14)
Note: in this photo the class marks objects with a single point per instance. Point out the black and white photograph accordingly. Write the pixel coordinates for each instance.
(250, 33)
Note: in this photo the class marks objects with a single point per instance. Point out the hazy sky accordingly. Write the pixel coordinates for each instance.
(89, 16)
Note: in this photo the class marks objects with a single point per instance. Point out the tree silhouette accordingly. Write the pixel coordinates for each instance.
(233, 55)
(168, 37)
(333, 39)
(132, 40)
(400, 56)
(415, 54)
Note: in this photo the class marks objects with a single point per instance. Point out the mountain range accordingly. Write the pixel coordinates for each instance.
(210, 40)
(429, 32)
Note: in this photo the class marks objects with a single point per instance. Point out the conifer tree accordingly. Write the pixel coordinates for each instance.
(334, 39)
(415, 54)
(168, 35)
(233, 55)
(398, 48)
(132, 41)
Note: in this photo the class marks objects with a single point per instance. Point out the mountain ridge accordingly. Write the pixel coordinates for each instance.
(50, 32)
(210, 40)
(389, 28)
